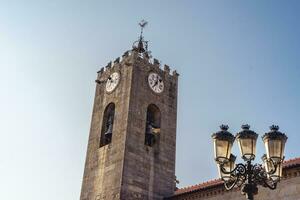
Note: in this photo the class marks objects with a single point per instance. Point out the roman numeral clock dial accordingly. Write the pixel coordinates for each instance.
(155, 82)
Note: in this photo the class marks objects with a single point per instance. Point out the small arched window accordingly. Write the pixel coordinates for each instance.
(152, 125)
(107, 124)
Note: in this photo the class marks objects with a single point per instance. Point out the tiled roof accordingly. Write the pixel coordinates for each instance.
(291, 163)
(213, 183)
(204, 185)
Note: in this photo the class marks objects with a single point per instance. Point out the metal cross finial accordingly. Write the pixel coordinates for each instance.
(142, 24)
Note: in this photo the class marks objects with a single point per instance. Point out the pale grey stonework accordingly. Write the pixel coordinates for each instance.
(127, 168)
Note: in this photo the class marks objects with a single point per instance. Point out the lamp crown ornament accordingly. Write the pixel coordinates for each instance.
(274, 134)
(274, 128)
(246, 133)
(245, 127)
(224, 134)
(224, 127)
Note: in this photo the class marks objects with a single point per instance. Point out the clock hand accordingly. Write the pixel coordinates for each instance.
(156, 82)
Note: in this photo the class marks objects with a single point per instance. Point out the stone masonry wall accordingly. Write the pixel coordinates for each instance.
(104, 166)
(127, 168)
(149, 172)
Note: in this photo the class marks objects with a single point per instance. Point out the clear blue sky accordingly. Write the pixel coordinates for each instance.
(238, 62)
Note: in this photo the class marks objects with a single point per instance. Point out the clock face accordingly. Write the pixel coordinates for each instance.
(112, 81)
(155, 82)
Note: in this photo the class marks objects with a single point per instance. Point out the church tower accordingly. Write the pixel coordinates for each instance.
(132, 141)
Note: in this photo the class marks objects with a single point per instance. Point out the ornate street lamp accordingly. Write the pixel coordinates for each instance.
(247, 175)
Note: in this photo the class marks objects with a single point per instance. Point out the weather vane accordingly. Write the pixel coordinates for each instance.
(141, 46)
(142, 24)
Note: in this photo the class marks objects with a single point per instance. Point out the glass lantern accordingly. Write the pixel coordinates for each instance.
(223, 141)
(274, 170)
(247, 142)
(268, 165)
(276, 176)
(274, 143)
(227, 166)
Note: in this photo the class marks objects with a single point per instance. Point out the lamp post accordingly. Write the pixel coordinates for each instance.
(248, 175)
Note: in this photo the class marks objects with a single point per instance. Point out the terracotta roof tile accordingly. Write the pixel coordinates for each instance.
(199, 186)
(291, 162)
(287, 164)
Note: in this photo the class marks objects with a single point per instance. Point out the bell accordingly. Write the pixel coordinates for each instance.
(156, 130)
(149, 128)
(108, 133)
(149, 138)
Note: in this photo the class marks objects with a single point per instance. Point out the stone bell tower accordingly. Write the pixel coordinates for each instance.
(132, 141)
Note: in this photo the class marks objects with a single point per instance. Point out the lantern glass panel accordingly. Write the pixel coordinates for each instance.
(269, 166)
(247, 147)
(275, 149)
(278, 173)
(222, 175)
(222, 150)
(228, 166)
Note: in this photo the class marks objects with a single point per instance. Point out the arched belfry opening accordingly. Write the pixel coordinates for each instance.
(152, 125)
(107, 124)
